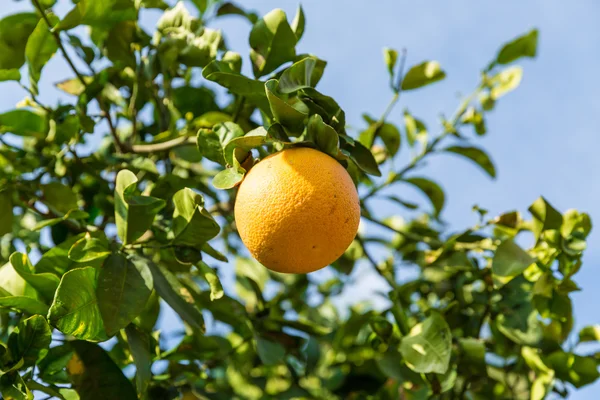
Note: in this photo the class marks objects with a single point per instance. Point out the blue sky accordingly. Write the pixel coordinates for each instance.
(541, 137)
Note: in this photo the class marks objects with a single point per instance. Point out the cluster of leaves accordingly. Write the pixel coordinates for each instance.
(129, 227)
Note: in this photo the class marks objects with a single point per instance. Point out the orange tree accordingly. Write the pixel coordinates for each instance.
(144, 221)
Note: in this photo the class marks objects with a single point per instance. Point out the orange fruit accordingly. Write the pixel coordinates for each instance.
(297, 210)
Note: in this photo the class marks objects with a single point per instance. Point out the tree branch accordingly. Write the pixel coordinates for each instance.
(163, 146)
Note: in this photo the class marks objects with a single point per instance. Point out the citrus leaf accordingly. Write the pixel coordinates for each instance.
(140, 347)
(273, 43)
(6, 212)
(123, 289)
(432, 190)
(92, 368)
(23, 123)
(423, 74)
(211, 277)
(30, 340)
(510, 260)
(298, 23)
(24, 304)
(89, 248)
(98, 14)
(323, 135)
(428, 346)
(45, 283)
(476, 155)
(177, 296)
(290, 117)
(14, 32)
(523, 46)
(10, 75)
(363, 158)
(40, 48)
(192, 223)
(302, 74)
(133, 214)
(227, 179)
(75, 308)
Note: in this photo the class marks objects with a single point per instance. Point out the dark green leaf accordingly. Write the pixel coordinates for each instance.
(390, 135)
(192, 223)
(12, 387)
(23, 123)
(423, 74)
(59, 197)
(273, 43)
(239, 147)
(270, 352)
(523, 46)
(95, 375)
(25, 304)
(6, 212)
(30, 340)
(139, 345)
(232, 9)
(98, 14)
(428, 346)
(432, 190)
(323, 135)
(302, 74)
(577, 370)
(211, 144)
(14, 32)
(75, 309)
(123, 289)
(40, 48)
(363, 158)
(134, 214)
(290, 116)
(214, 253)
(45, 283)
(476, 155)
(177, 296)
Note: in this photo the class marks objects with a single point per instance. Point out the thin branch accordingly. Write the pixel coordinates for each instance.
(163, 146)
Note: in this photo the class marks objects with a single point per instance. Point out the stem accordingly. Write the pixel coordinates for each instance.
(407, 235)
(164, 146)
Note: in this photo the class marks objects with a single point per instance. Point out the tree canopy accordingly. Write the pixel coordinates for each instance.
(96, 243)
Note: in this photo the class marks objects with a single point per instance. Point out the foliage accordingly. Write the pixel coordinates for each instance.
(135, 226)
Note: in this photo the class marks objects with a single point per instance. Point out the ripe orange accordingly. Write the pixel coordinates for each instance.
(297, 210)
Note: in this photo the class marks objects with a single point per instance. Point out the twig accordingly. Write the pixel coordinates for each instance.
(163, 146)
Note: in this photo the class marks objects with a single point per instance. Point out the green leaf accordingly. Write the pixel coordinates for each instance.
(254, 90)
(10, 75)
(590, 333)
(123, 289)
(75, 308)
(30, 340)
(545, 217)
(59, 197)
(56, 259)
(211, 144)
(95, 375)
(45, 283)
(363, 158)
(14, 32)
(323, 135)
(25, 304)
(290, 116)
(415, 129)
(523, 46)
(192, 223)
(227, 179)
(232, 9)
(210, 276)
(390, 56)
(239, 148)
(23, 123)
(423, 74)
(214, 253)
(390, 135)
(510, 260)
(133, 214)
(298, 23)
(273, 43)
(140, 347)
(577, 370)
(325, 106)
(472, 353)
(476, 155)
(98, 14)
(12, 387)
(505, 81)
(302, 74)
(40, 48)
(432, 190)
(177, 296)
(251, 280)
(270, 353)
(89, 248)
(428, 346)
(6, 212)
